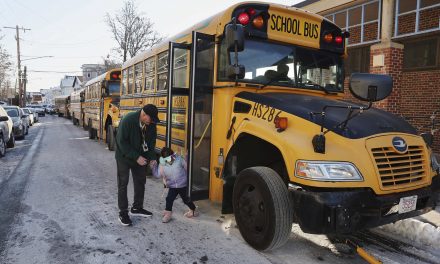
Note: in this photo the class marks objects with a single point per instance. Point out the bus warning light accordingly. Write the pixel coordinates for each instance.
(243, 18)
(258, 22)
(328, 37)
(251, 11)
(338, 40)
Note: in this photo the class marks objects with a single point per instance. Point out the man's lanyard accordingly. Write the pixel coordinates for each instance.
(143, 129)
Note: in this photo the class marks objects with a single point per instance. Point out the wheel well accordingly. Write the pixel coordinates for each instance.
(249, 151)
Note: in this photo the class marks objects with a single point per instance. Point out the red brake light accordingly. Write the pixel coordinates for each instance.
(243, 18)
(338, 40)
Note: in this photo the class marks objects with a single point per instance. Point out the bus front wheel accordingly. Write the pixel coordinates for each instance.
(262, 208)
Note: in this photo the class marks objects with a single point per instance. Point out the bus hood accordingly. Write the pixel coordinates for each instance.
(370, 122)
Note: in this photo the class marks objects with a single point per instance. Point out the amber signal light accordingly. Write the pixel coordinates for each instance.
(328, 37)
(258, 22)
(280, 123)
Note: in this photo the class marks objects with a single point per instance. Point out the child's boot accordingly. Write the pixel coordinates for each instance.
(191, 213)
(166, 216)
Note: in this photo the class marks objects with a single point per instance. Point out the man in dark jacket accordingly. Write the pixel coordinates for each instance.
(135, 149)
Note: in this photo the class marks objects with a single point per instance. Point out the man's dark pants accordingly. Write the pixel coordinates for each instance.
(139, 178)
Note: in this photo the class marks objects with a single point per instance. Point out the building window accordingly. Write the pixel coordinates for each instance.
(362, 21)
(358, 60)
(416, 16)
(421, 54)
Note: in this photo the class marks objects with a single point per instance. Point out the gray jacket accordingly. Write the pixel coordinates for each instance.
(174, 174)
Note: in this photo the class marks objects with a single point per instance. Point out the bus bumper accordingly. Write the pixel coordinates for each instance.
(324, 212)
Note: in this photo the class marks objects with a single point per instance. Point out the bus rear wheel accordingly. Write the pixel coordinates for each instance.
(92, 133)
(110, 138)
(262, 208)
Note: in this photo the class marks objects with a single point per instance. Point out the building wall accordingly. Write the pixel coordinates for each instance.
(416, 92)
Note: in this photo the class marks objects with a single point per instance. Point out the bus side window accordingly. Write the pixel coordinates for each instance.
(130, 80)
(124, 82)
(138, 77)
(162, 71)
(180, 68)
(150, 70)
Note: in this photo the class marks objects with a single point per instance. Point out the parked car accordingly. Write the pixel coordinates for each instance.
(30, 113)
(19, 119)
(50, 109)
(36, 119)
(40, 110)
(6, 136)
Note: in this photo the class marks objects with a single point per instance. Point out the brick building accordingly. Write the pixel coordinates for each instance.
(396, 37)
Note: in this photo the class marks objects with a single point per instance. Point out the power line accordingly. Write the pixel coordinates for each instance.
(55, 71)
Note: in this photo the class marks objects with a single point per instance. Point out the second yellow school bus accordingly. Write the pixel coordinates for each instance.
(101, 106)
(252, 98)
(76, 107)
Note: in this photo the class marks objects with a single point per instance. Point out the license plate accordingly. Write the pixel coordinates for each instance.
(407, 204)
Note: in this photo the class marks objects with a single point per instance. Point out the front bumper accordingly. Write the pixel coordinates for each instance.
(326, 212)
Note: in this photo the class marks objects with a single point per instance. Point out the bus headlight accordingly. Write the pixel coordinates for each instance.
(327, 171)
(434, 163)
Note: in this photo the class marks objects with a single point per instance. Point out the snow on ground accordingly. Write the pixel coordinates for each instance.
(415, 231)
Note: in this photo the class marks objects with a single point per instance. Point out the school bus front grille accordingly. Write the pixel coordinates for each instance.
(400, 170)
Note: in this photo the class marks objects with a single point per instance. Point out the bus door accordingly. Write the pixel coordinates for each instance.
(101, 111)
(190, 110)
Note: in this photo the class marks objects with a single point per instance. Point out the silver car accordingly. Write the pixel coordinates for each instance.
(20, 121)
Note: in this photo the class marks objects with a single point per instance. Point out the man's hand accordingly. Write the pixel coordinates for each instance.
(141, 161)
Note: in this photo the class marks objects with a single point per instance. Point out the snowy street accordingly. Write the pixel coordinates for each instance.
(58, 204)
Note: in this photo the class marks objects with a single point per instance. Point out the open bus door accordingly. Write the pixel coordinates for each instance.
(190, 109)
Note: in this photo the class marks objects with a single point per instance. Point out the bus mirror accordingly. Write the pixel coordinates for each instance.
(370, 87)
(104, 90)
(235, 72)
(234, 35)
(428, 138)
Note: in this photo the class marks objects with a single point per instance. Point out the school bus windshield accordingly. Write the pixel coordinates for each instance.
(286, 65)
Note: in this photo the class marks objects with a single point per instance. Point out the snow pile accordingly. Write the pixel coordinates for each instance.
(416, 231)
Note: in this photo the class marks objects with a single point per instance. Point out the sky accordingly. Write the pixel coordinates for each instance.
(74, 32)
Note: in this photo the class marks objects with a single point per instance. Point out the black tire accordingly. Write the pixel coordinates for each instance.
(2, 146)
(91, 132)
(262, 208)
(110, 138)
(11, 142)
(27, 130)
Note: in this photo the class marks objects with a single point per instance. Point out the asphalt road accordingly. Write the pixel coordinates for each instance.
(58, 205)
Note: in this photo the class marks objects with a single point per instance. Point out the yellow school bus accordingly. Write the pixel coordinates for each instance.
(76, 109)
(252, 97)
(62, 105)
(101, 106)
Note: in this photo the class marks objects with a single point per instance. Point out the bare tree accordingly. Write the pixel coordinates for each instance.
(5, 66)
(111, 62)
(132, 30)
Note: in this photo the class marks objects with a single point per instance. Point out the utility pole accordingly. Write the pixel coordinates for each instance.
(24, 87)
(20, 87)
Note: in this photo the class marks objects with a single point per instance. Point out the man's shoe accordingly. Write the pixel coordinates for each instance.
(124, 219)
(141, 212)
